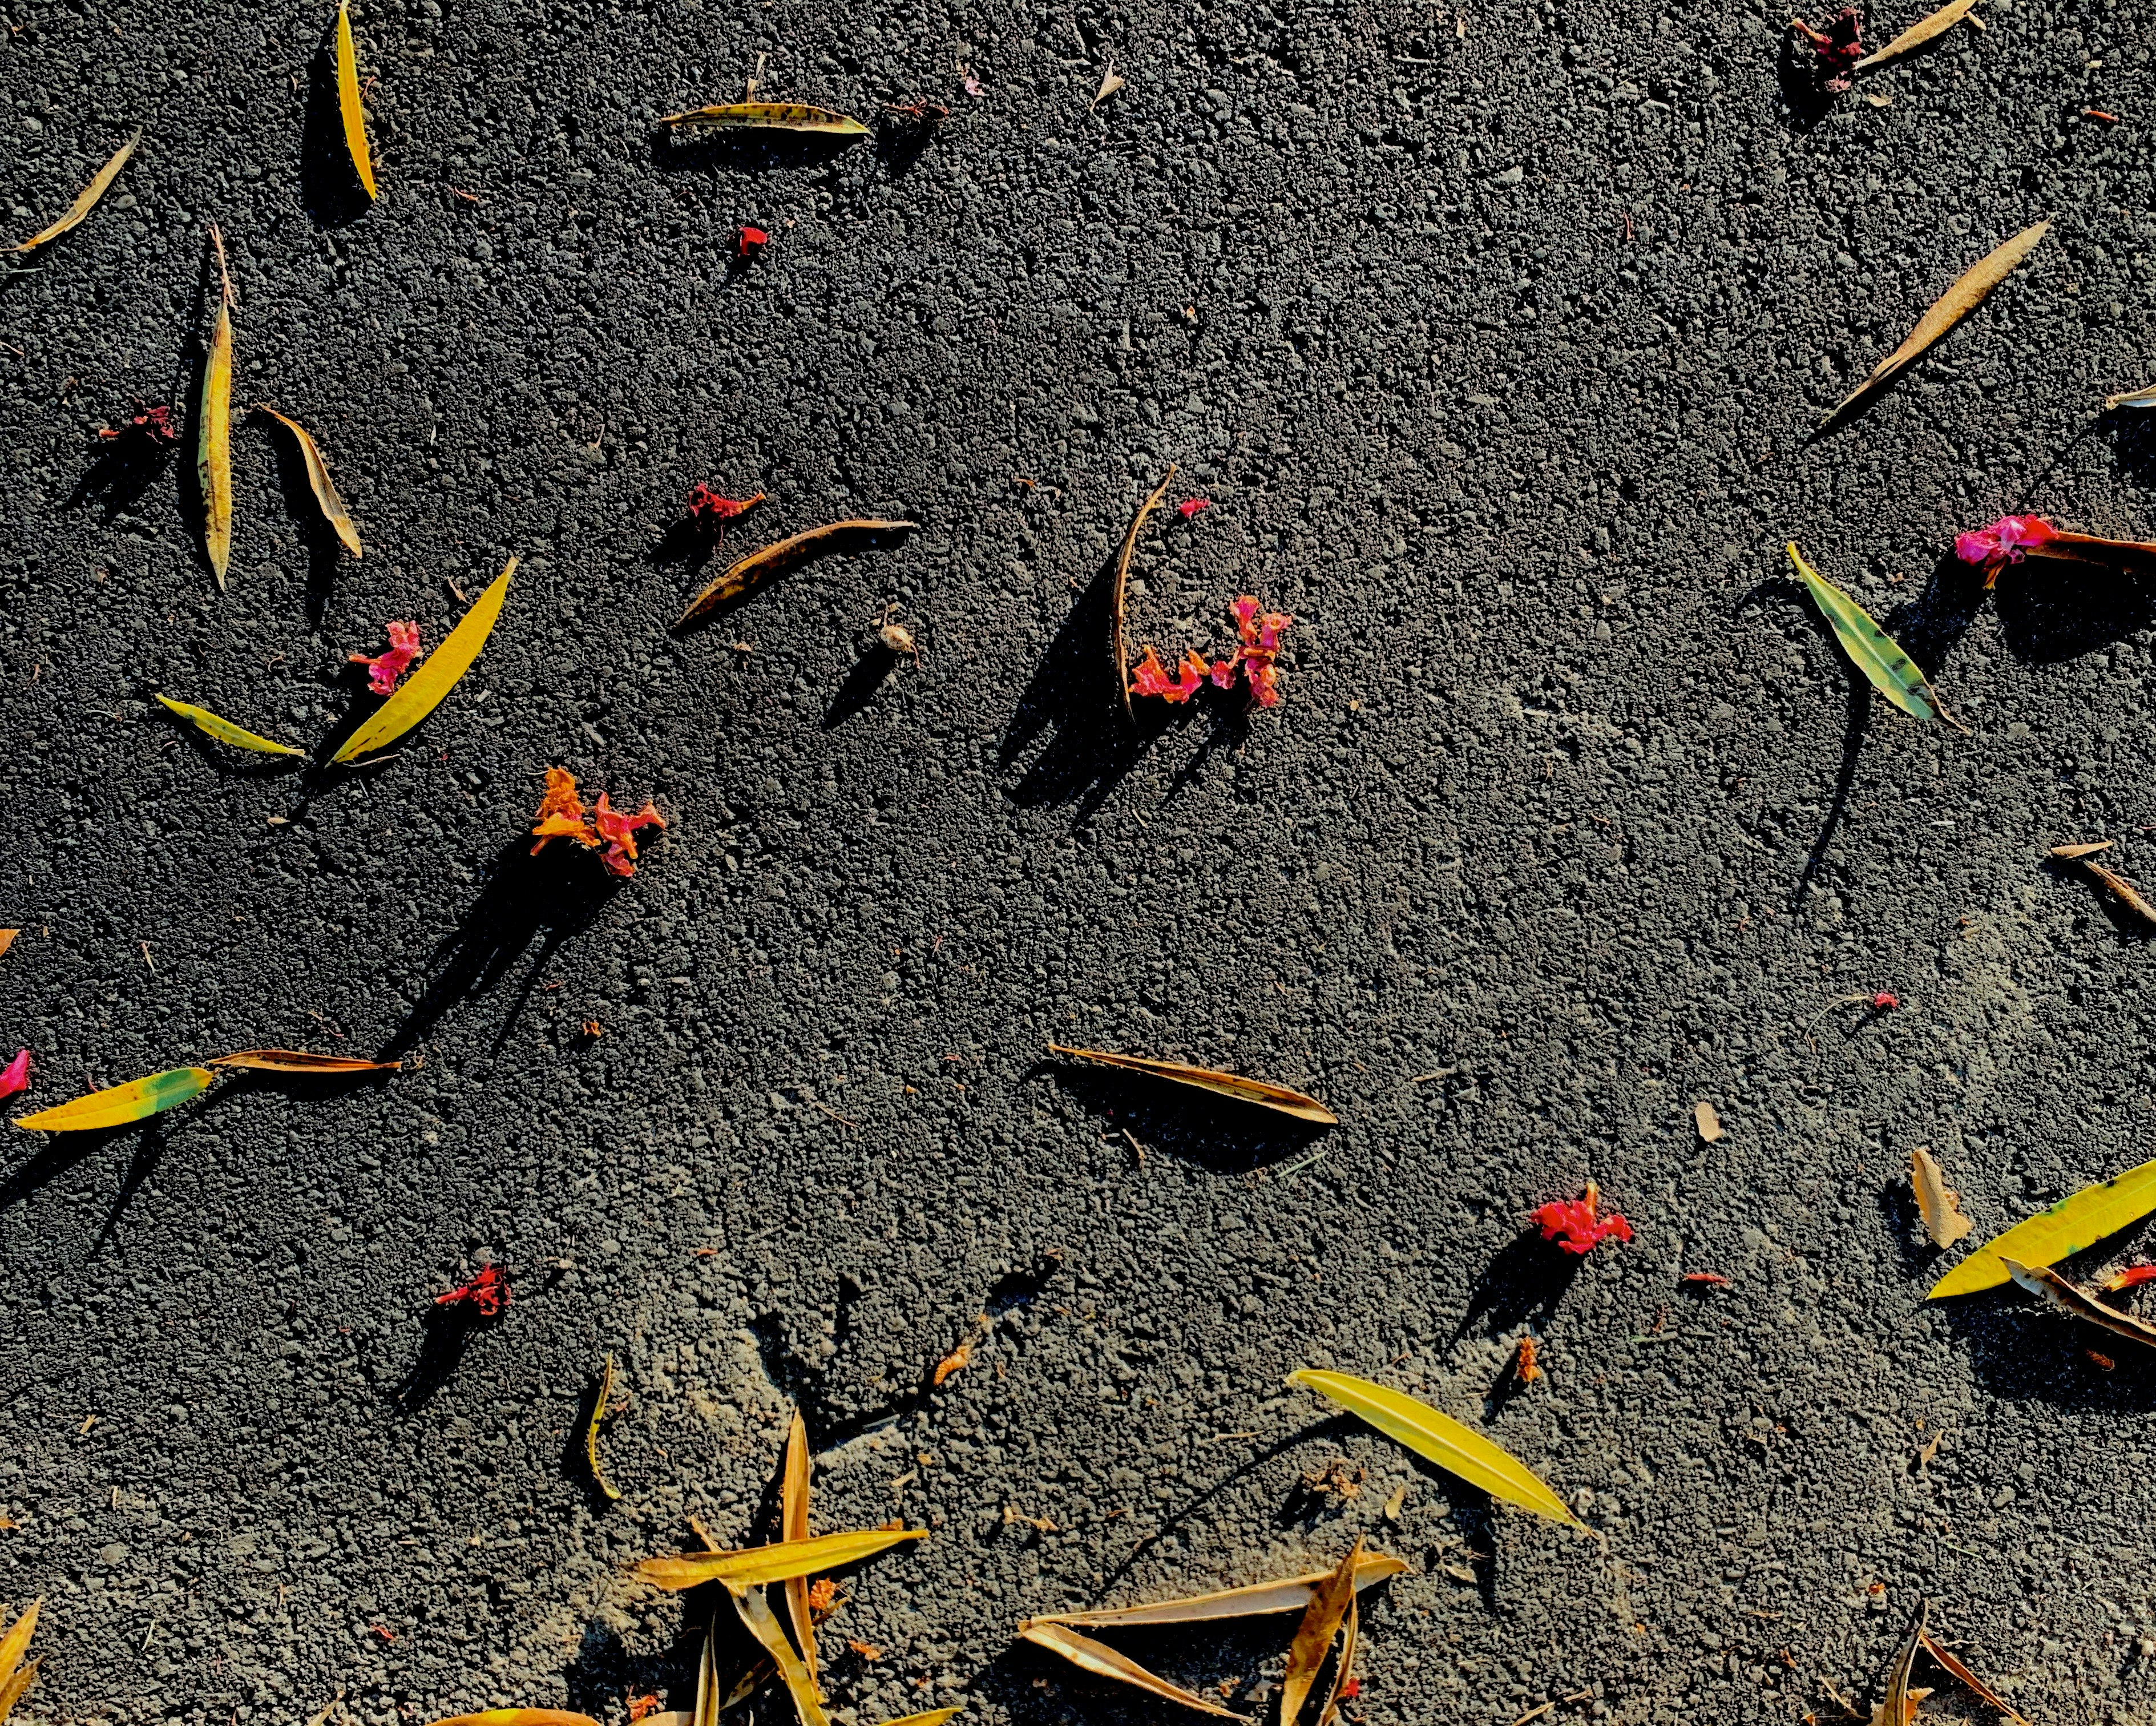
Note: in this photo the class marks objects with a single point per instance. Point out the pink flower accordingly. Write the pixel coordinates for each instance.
(384, 669)
(1261, 640)
(1191, 505)
(617, 831)
(1149, 677)
(16, 1077)
(1575, 1226)
(2005, 541)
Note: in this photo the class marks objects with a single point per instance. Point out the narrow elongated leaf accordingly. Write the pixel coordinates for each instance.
(1871, 649)
(13, 1647)
(592, 1433)
(1260, 1092)
(2075, 852)
(1292, 1594)
(2142, 397)
(8, 938)
(763, 1623)
(425, 690)
(2070, 548)
(2054, 1290)
(1441, 1439)
(934, 1717)
(137, 1100)
(299, 1060)
(318, 481)
(1982, 1691)
(1346, 1670)
(1937, 1203)
(1970, 292)
(768, 116)
(1329, 1603)
(756, 1565)
(708, 1709)
(355, 122)
(793, 1525)
(213, 445)
(12, 1687)
(2077, 1222)
(1898, 1707)
(1118, 645)
(86, 199)
(1103, 1661)
(2123, 890)
(225, 732)
(1936, 23)
(520, 1717)
(780, 555)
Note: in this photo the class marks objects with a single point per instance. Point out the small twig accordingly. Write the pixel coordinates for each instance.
(217, 239)
(1297, 1168)
(1534, 1713)
(1443, 1072)
(835, 1114)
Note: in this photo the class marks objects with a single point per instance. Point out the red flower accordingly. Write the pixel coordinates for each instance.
(1351, 1690)
(1191, 505)
(2005, 541)
(384, 669)
(1149, 677)
(617, 831)
(707, 508)
(155, 423)
(2129, 1277)
(1254, 658)
(488, 1292)
(752, 241)
(1575, 1226)
(16, 1077)
(1837, 46)
(1883, 1002)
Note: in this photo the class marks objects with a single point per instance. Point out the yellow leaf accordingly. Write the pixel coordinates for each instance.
(1918, 33)
(1440, 1438)
(299, 1060)
(934, 1717)
(318, 481)
(1103, 1661)
(213, 445)
(779, 556)
(756, 1565)
(2076, 1222)
(769, 116)
(591, 1431)
(86, 199)
(1969, 291)
(755, 1614)
(355, 122)
(708, 1705)
(14, 1677)
(1330, 1603)
(793, 1525)
(520, 1717)
(1118, 597)
(1292, 1594)
(137, 1100)
(1937, 1203)
(425, 690)
(225, 732)
(1260, 1092)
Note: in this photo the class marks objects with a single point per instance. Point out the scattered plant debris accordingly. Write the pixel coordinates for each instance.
(431, 684)
(1338, 1478)
(600, 1408)
(956, 1359)
(749, 242)
(1190, 506)
(1871, 650)
(120, 1105)
(2055, 1291)
(1259, 1092)
(1937, 1204)
(1290, 1594)
(1112, 80)
(1704, 1279)
(1577, 1225)
(1976, 1686)
(1837, 48)
(487, 1294)
(2007, 540)
(384, 669)
(1330, 1602)
(780, 556)
(318, 481)
(225, 732)
(769, 116)
(2077, 1222)
(2133, 1277)
(86, 199)
(709, 511)
(1526, 1368)
(299, 1060)
(1709, 1123)
(152, 426)
(2122, 890)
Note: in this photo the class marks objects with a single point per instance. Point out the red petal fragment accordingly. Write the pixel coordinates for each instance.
(16, 1077)
(1191, 505)
(384, 669)
(2131, 1277)
(1706, 1279)
(488, 1291)
(1839, 47)
(1574, 1225)
(617, 832)
(753, 240)
(1149, 677)
(1883, 1002)
(705, 505)
(2005, 541)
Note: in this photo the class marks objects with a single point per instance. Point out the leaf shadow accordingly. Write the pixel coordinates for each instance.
(2024, 1353)
(2124, 922)
(323, 547)
(1913, 1246)
(2083, 607)
(329, 190)
(1215, 1133)
(445, 1336)
(747, 150)
(604, 1671)
(549, 899)
(1520, 1286)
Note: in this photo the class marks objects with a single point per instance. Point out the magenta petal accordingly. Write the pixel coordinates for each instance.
(16, 1077)
(1977, 547)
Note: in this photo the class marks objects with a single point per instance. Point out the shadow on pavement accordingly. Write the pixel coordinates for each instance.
(1215, 1133)
(329, 184)
(315, 534)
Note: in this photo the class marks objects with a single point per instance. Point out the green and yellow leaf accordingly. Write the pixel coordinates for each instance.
(2075, 1223)
(753, 1566)
(86, 199)
(769, 116)
(225, 732)
(1870, 647)
(1440, 1439)
(214, 434)
(426, 688)
(355, 122)
(137, 1100)
(591, 1431)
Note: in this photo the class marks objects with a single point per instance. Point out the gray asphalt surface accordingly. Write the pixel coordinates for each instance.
(1494, 338)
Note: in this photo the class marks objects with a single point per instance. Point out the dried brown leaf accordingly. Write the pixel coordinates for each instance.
(2073, 853)
(1708, 1120)
(2070, 548)
(762, 1624)
(1260, 1092)
(1345, 1671)
(1976, 1686)
(1290, 1594)
(8, 938)
(1936, 23)
(1968, 292)
(1103, 1661)
(326, 499)
(708, 1708)
(1329, 1604)
(2050, 1286)
(1897, 1708)
(2122, 890)
(793, 1525)
(1112, 80)
(780, 555)
(86, 199)
(1937, 1203)
(1118, 647)
(299, 1060)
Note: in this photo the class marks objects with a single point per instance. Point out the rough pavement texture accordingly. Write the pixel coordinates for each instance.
(1494, 338)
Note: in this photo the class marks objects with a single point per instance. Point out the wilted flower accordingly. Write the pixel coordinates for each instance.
(1575, 1226)
(488, 1292)
(1837, 48)
(2005, 541)
(384, 669)
(617, 832)
(1149, 677)
(16, 1077)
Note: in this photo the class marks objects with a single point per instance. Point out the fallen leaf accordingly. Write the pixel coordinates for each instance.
(86, 199)
(793, 1525)
(1870, 649)
(137, 1100)
(225, 732)
(1937, 1203)
(1290, 1594)
(318, 473)
(8, 938)
(1343, 1681)
(1440, 1439)
(1577, 1225)
(355, 122)
(16, 1077)
(2056, 1290)
(1930, 1448)
(769, 116)
(2144, 397)
(2077, 1221)
(2122, 890)
(1709, 1123)
(2068, 854)
(1103, 1661)
(1917, 34)
(591, 1431)
(934, 1717)
(1259, 1091)
(299, 1060)
(754, 1565)
(214, 429)
(757, 1616)
(1396, 1504)
(1898, 1707)
(1968, 292)
(15, 1677)
(1112, 80)
(2066, 546)
(1976, 1686)
(780, 556)
(1329, 1604)
(1118, 596)
(520, 1717)
(427, 686)
(708, 1706)
(951, 1363)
